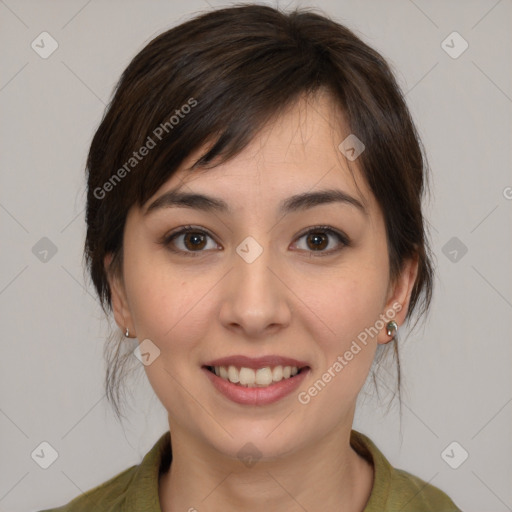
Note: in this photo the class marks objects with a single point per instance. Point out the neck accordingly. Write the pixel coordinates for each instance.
(329, 476)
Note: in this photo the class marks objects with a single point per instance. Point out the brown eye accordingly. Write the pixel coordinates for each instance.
(188, 241)
(318, 238)
(194, 240)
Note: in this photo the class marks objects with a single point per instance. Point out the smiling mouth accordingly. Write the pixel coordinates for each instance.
(261, 377)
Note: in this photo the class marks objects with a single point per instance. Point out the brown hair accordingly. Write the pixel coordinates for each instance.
(220, 77)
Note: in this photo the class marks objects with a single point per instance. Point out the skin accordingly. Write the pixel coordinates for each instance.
(291, 301)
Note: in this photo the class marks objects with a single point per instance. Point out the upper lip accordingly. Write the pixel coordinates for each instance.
(257, 362)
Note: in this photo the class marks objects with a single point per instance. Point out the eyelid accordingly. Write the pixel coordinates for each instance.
(184, 229)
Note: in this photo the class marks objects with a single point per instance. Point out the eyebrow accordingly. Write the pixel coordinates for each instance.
(295, 203)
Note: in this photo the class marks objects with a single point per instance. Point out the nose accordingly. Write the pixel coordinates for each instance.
(256, 299)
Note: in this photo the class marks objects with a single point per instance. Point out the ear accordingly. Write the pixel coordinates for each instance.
(399, 297)
(120, 305)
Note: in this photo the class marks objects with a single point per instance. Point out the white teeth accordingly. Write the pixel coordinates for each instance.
(233, 375)
(261, 377)
(277, 373)
(247, 377)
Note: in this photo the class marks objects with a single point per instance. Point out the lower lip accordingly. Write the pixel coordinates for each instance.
(257, 396)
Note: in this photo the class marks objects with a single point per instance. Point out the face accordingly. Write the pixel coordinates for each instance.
(295, 281)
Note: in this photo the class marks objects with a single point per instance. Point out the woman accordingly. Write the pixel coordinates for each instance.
(254, 220)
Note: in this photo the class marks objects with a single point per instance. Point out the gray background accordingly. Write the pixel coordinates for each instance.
(457, 368)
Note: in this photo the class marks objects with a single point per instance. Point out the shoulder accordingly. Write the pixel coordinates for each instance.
(106, 497)
(410, 493)
(133, 490)
(395, 489)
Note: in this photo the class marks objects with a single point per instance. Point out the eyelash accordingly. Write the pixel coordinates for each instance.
(168, 239)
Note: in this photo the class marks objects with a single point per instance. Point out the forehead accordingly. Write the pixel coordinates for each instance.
(297, 150)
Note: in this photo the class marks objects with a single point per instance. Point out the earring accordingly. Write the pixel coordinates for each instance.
(391, 328)
(127, 332)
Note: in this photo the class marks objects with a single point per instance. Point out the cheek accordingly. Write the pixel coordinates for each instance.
(170, 303)
(169, 308)
(345, 342)
(351, 300)
(165, 305)
(347, 311)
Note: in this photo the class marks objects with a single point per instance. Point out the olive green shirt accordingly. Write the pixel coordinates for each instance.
(136, 488)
